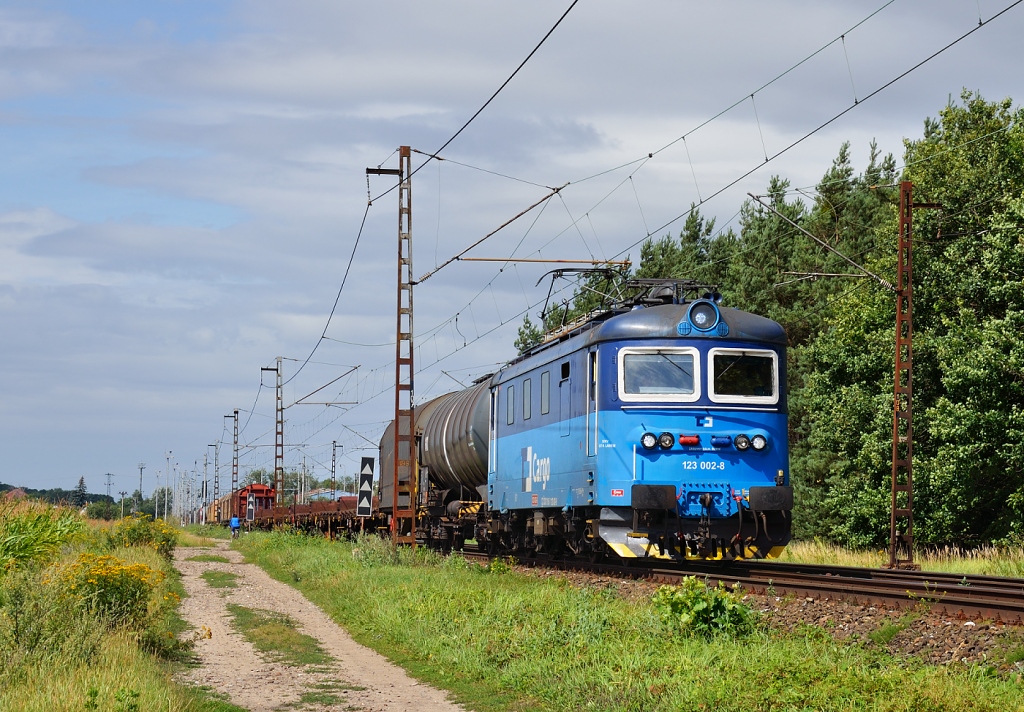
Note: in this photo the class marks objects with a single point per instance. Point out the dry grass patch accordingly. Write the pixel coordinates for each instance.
(983, 561)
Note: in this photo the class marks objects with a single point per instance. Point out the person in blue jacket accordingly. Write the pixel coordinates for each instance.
(235, 526)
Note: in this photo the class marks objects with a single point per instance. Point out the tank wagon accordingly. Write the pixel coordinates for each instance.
(656, 429)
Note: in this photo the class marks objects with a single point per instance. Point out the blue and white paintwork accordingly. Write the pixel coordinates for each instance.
(586, 451)
(552, 444)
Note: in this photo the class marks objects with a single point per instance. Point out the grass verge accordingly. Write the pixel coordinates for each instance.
(502, 641)
(275, 634)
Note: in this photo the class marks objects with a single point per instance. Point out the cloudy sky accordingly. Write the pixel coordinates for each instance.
(183, 182)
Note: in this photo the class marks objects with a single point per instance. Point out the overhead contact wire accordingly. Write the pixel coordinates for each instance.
(492, 97)
(337, 298)
(835, 118)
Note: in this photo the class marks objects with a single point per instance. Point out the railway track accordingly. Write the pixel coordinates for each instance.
(956, 595)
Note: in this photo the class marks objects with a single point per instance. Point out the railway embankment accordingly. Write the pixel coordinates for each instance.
(502, 637)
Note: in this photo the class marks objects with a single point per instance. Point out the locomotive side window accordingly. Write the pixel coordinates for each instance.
(545, 392)
(565, 370)
(527, 396)
(664, 375)
(510, 402)
(743, 376)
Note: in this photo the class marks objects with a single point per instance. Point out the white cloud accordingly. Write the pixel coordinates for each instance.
(31, 30)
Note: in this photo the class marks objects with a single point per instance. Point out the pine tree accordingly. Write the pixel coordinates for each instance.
(79, 494)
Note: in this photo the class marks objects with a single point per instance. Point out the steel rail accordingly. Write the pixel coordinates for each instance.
(957, 595)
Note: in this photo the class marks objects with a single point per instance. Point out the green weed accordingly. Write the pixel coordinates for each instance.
(126, 700)
(704, 611)
(885, 633)
(501, 566)
(336, 686)
(319, 698)
(275, 634)
(209, 558)
(220, 579)
(1015, 656)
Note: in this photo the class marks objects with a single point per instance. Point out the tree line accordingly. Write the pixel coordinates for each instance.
(968, 320)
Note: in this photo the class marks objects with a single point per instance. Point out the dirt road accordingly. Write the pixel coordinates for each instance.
(356, 678)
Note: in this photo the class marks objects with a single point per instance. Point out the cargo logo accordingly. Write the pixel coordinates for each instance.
(536, 470)
(618, 493)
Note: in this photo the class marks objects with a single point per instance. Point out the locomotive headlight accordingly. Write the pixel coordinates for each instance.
(742, 442)
(649, 441)
(666, 440)
(703, 316)
(759, 442)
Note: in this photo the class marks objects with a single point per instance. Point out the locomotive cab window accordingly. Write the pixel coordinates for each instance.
(743, 376)
(667, 375)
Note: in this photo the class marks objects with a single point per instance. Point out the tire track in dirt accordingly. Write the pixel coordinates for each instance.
(362, 678)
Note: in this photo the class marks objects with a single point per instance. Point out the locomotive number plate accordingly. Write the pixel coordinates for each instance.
(703, 464)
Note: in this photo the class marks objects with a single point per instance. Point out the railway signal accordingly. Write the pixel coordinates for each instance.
(364, 498)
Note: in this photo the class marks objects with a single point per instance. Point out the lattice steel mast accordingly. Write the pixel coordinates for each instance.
(403, 523)
(403, 502)
(901, 520)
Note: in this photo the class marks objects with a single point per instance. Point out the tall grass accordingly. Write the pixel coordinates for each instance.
(503, 641)
(32, 532)
(86, 623)
(985, 561)
(119, 677)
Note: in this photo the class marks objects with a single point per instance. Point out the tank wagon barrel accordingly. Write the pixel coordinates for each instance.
(452, 433)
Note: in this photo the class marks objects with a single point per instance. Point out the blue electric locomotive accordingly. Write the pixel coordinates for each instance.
(657, 429)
